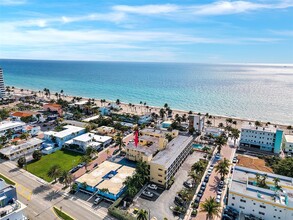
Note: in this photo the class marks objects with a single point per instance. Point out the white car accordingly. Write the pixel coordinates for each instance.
(218, 199)
(97, 200)
(152, 186)
(219, 192)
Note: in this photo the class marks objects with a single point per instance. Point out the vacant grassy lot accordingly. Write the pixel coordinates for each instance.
(65, 159)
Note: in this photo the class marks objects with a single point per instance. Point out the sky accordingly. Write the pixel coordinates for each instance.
(210, 31)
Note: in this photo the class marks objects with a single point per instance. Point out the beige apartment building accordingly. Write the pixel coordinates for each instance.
(166, 163)
(151, 141)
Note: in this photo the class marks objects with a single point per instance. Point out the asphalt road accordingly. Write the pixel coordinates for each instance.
(41, 197)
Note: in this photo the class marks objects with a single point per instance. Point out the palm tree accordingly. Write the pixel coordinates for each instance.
(221, 125)
(162, 113)
(142, 215)
(276, 182)
(85, 159)
(194, 177)
(235, 133)
(66, 178)
(54, 172)
(198, 167)
(211, 207)
(223, 167)
(220, 141)
(90, 151)
(119, 141)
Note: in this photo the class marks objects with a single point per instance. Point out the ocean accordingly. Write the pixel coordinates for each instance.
(260, 92)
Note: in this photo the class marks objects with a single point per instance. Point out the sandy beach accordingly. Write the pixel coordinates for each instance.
(140, 109)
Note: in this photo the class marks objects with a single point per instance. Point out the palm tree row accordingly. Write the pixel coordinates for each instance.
(223, 168)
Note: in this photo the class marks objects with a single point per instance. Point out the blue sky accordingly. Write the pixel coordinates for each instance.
(211, 31)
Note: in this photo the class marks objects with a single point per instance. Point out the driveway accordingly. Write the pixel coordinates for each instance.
(212, 185)
(159, 207)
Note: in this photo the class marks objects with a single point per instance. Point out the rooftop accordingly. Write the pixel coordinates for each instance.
(22, 114)
(97, 179)
(289, 138)
(90, 136)
(52, 105)
(91, 118)
(167, 156)
(69, 129)
(16, 148)
(269, 128)
(4, 125)
(244, 179)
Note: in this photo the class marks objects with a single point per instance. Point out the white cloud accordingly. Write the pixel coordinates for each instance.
(214, 8)
(147, 9)
(12, 2)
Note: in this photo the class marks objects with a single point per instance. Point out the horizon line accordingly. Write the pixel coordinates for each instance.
(127, 61)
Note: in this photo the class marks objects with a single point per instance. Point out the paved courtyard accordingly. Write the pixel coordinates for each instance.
(159, 207)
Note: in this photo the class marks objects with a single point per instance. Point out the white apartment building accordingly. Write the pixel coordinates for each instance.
(89, 140)
(61, 137)
(267, 203)
(10, 207)
(288, 143)
(2, 86)
(197, 122)
(15, 151)
(267, 138)
(15, 126)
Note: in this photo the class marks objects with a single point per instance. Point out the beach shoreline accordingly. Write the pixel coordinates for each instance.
(140, 109)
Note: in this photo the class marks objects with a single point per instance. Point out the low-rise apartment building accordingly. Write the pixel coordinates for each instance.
(269, 202)
(53, 107)
(268, 138)
(150, 142)
(82, 142)
(14, 126)
(61, 137)
(165, 164)
(15, 151)
(288, 143)
(10, 207)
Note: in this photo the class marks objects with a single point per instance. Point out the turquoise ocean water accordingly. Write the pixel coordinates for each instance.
(262, 92)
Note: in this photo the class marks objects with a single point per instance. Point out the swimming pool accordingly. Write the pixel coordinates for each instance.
(197, 146)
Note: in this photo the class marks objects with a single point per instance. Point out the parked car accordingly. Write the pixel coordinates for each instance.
(187, 184)
(178, 201)
(227, 217)
(148, 194)
(209, 172)
(73, 170)
(219, 192)
(218, 156)
(218, 199)
(235, 160)
(95, 165)
(98, 200)
(206, 179)
(211, 166)
(221, 184)
(152, 186)
(81, 165)
(115, 151)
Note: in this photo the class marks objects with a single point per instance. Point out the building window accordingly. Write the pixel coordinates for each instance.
(160, 175)
(241, 207)
(160, 181)
(261, 213)
(233, 197)
(262, 206)
(232, 204)
(242, 200)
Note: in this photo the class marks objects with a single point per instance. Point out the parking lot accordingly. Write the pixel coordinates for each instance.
(159, 205)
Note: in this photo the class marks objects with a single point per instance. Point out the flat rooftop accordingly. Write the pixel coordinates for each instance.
(244, 179)
(289, 138)
(147, 150)
(91, 118)
(114, 184)
(16, 148)
(167, 156)
(269, 128)
(4, 125)
(68, 130)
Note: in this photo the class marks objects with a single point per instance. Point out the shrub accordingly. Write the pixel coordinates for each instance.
(21, 162)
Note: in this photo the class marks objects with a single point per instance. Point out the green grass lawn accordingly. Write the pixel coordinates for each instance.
(62, 215)
(8, 181)
(65, 159)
